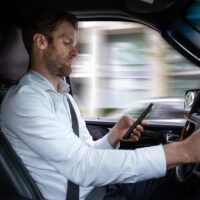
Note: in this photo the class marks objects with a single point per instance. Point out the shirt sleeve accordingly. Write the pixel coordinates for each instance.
(30, 117)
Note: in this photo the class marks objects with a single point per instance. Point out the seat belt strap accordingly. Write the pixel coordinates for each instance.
(73, 189)
(75, 126)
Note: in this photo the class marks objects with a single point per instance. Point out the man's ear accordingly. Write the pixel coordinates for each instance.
(40, 41)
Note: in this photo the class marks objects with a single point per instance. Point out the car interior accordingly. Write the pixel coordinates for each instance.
(167, 17)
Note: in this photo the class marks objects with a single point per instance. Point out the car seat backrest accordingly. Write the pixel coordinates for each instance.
(14, 58)
(15, 181)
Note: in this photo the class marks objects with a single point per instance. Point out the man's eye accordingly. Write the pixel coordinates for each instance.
(66, 42)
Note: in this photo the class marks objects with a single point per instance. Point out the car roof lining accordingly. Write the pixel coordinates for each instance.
(93, 10)
(90, 10)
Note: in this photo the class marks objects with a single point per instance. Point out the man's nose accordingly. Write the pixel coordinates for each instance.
(74, 52)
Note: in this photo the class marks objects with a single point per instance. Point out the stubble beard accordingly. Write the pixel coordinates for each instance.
(56, 68)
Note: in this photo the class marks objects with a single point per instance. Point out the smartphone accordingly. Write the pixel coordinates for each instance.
(138, 121)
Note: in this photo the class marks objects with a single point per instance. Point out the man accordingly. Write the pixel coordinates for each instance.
(36, 120)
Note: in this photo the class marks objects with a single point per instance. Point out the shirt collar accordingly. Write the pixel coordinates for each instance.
(64, 88)
(45, 84)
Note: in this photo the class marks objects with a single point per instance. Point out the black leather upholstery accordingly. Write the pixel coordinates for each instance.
(14, 58)
(15, 181)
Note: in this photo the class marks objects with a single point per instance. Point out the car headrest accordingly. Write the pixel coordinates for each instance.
(14, 58)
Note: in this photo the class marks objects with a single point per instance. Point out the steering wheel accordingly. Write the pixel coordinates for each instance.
(190, 173)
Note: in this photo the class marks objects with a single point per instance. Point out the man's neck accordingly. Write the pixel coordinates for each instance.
(54, 80)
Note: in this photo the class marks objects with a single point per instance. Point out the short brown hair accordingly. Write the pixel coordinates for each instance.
(45, 22)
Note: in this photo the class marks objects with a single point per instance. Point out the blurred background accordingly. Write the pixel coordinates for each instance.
(122, 67)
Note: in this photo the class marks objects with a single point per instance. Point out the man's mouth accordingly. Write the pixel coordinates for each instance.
(69, 62)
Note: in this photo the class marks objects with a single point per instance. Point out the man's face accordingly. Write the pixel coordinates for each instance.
(61, 50)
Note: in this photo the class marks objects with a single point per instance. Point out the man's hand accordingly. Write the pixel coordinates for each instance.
(118, 131)
(183, 152)
(192, 144)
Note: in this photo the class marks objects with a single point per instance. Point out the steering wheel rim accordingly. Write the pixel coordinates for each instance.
(190, 173)
(192, 177)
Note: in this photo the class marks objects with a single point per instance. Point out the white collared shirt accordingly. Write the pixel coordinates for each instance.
(37, 121)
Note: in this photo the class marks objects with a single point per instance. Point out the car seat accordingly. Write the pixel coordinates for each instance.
(15, 181)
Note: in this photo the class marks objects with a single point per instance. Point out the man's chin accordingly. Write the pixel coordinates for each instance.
(65, 72)
(68, 69)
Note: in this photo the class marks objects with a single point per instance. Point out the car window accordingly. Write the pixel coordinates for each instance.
(193, 15)
(123, 66)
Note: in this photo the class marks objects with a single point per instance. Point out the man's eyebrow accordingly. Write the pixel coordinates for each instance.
(70, 38)
(71, 35)
(67, 36)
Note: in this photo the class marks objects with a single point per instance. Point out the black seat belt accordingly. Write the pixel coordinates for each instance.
(73, 189)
